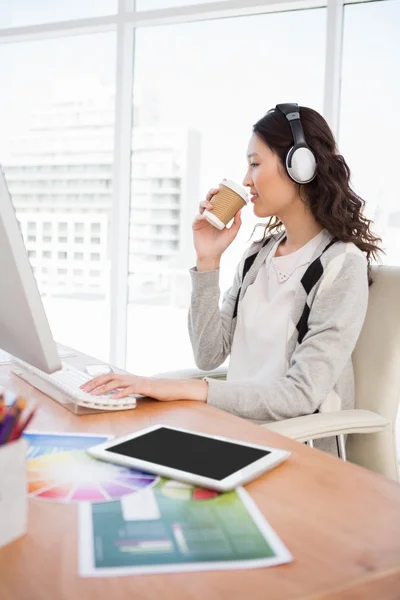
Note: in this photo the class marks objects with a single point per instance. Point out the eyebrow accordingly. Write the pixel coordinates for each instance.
(252, 154)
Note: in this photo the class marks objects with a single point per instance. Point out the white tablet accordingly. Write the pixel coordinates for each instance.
(209, 461)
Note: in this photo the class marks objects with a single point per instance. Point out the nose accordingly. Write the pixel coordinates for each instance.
(247, 181)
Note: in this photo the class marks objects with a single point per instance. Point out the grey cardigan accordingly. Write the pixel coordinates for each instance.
(329, 311)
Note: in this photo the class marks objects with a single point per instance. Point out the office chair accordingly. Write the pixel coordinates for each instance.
(370, 427)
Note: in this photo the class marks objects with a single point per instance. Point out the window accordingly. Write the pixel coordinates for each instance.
(25, 12)
(369, 128)
(57, 107)
(31, 253)
(61, 271)
(56, 121)
(157, 4)
(94, 273)
(198, 137)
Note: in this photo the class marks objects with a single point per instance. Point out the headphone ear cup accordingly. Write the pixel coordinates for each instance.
(301, 164)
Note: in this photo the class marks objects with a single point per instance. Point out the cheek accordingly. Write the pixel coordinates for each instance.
(273, 191)
(266, 181)
(261, 178)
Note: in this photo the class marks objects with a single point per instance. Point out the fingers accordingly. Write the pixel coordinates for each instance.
(238, 218)
(108, 387)
(237, 222)
(211, 193)
(123, 393)
(98, 381)
(198, 217)
(206, 204)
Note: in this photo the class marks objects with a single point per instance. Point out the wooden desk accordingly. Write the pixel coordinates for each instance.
(340, 522)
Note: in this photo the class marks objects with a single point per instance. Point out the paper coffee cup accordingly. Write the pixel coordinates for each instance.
(229, 199)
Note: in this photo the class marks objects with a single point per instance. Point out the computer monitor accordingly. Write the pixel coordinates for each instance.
(24, 329)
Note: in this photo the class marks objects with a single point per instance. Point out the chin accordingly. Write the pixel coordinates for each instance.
(262, 214)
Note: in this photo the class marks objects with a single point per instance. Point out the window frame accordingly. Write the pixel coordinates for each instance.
(124, 23)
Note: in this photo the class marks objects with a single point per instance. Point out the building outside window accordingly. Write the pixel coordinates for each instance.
(193, 107)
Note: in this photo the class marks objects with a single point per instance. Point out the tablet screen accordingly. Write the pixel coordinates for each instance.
(188, 452)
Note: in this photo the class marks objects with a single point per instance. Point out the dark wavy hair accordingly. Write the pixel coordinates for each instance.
(330, 197)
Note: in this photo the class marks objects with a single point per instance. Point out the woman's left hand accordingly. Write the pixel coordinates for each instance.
(160, 389)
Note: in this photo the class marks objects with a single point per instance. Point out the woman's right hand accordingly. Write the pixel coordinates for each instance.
(209, 242)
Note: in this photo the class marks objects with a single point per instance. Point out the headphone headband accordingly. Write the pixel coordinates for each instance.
(292, 114)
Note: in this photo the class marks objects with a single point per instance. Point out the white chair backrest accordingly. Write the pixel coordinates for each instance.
(376, 361)
(376, 357)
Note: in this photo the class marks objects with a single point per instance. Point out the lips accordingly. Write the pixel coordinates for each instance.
(253, 198)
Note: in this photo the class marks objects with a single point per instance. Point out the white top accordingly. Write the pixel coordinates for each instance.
(259, 344)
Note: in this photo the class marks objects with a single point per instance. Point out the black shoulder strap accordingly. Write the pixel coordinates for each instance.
(310, 278)
(315, 270)
(246, 268)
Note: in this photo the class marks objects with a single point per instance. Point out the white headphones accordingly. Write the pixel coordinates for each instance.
(301, 165)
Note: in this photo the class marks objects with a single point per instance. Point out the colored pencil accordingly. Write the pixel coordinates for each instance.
(2, 408)
(20, 407)
(8, 424)
(22, 426)
(11, 423)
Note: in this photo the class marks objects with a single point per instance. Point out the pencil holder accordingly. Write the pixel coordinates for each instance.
(13, 491)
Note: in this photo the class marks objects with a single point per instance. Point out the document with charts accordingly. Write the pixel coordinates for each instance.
(174, 527)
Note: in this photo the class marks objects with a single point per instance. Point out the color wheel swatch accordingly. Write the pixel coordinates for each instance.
(60, 470)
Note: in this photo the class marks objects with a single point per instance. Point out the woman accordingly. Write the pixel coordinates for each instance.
(293, 315)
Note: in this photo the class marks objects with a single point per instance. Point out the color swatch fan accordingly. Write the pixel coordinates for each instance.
(60, 470)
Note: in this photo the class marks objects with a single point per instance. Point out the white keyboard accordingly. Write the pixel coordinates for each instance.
(64, 386)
